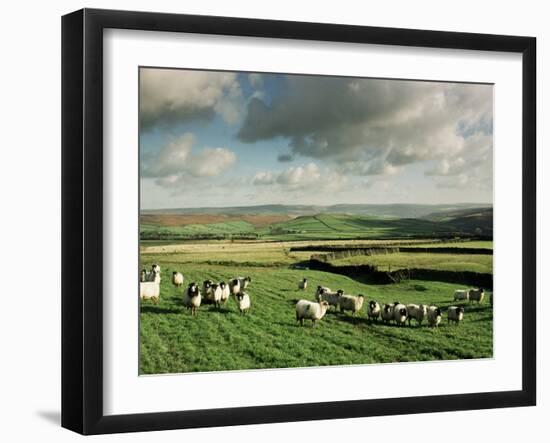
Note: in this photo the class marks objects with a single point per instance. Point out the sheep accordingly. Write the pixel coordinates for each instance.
(373, 310)
(143, 275)
(149, 291)
(302, 284)
(244, 281)
(321, 289)
(455, 313)
(154, 276)
(387, 313)
(330, 297)
(418, 312)
(308, 310)
(234, 286)
(243, 301)
(400, 314)
(350, 303)
(192, 298)
(216, 294)
(225, 292)
(177, 279)
(155, 268)
(434, 316)
(207, 292)
(461, 294)
(476, 295)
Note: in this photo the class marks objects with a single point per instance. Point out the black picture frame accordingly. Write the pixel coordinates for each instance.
(82, 219)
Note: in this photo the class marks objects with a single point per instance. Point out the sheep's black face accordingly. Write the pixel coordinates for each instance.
(235, 282)
(340, 292)
(372, 304)
(438, 312)
(174, 273)
(222, 285)
(460, 310)
(403, 312)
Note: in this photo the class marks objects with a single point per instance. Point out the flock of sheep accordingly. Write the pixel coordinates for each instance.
(218, 294)
(212, 293)
(389, 312)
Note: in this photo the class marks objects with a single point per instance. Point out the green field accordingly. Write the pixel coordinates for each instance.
(405, 260)
(269, 336)
(306, 227)
(220, 246)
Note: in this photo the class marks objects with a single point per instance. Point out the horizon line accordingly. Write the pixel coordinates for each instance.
(316, 205)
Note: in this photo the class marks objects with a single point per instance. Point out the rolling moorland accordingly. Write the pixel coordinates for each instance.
(274, 248)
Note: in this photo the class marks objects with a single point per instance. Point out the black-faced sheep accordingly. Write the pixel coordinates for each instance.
(455, 314)
(330, 297)
(387, 313)
(302, 284)
(308, 310)
(225, 292)
(373, 310)
(434, 316)
(418, 312)
(243, 301)
(192, 298)
(400, 314)
(352, 303)
(476, 295)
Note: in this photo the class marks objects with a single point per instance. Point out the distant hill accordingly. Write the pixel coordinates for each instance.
(378, 210)
(475, 220)
(326, 225)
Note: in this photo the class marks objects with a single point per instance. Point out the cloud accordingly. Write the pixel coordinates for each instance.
(379, 125)
(308, 180)
(169, 96)
(175, 162)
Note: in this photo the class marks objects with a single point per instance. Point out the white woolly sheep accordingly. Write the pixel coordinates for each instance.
(455, 313)
(149, 291)
(234, 286)
(330, 297)
(418, 312)
(387, 313)
(400, 314)
(302, 284)
(476, 295)
(177, 279)
(461, 294)
(192, 298)
(373, 310)
(351, 303)
(434, 316)
(308, 310)
(243, 301)
(225, 292)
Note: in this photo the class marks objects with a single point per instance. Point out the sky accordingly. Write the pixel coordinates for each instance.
(214, 139)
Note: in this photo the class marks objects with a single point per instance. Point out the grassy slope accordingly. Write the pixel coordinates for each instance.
(173, 341)
(403, 260)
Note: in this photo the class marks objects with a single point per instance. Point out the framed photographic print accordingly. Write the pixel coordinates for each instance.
(264, 210)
